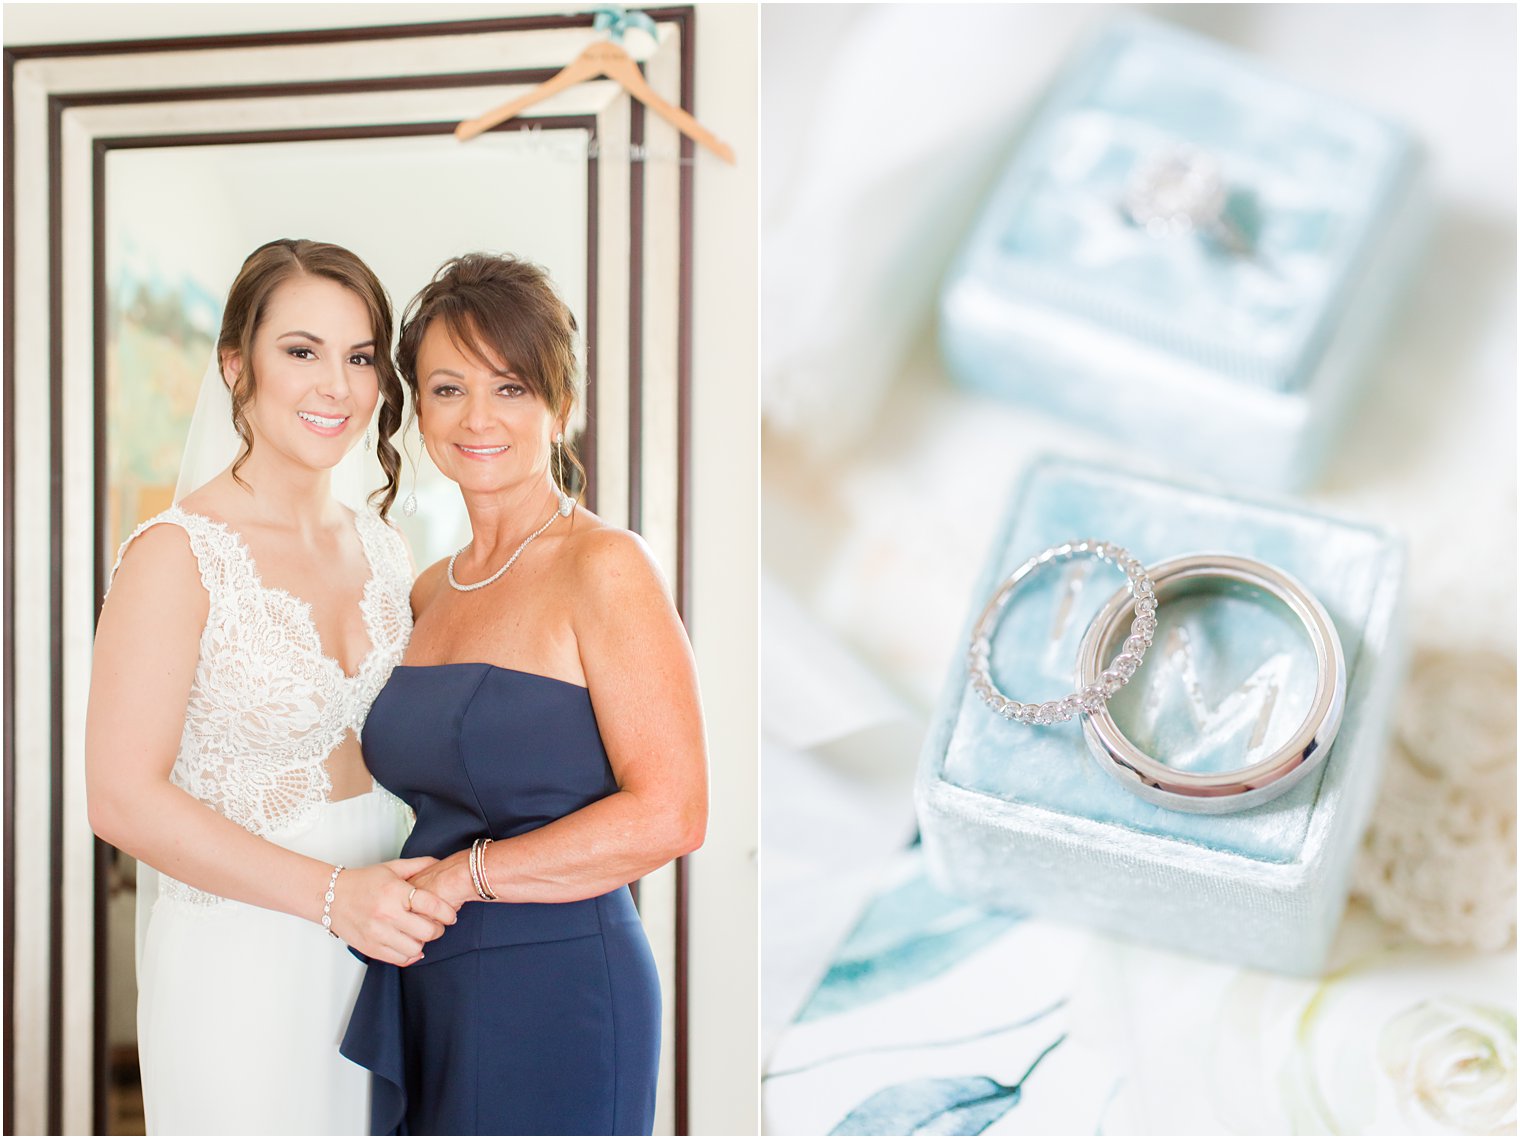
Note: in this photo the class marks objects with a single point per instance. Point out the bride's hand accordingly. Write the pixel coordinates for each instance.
(376, 910)
(449, 879)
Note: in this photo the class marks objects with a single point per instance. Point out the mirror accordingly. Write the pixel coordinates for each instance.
(179, 222)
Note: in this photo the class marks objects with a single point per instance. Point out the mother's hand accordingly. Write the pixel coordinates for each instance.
(449, 879)
(376, 910)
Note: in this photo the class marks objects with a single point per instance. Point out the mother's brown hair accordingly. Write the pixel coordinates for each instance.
(267, 268)
(501, 308)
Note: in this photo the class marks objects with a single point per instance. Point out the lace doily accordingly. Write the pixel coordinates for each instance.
(1439, 858)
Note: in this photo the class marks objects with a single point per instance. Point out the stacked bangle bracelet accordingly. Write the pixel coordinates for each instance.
(478, 869)
(1131, 614)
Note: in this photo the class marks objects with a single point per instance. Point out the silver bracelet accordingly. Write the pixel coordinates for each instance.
(327, 905)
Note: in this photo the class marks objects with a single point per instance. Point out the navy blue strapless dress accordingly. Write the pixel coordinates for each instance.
(523, 1018)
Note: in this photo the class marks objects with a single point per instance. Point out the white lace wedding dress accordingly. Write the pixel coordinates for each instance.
(241, 1009)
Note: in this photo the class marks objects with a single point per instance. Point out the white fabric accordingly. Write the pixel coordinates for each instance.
(266, 709)
(836, 747)
(877, 152)
(241, 1009)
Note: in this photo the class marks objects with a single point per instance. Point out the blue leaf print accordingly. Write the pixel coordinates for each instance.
(916, 1045)
(908, 935)
(961, 1105)
(948, 1105)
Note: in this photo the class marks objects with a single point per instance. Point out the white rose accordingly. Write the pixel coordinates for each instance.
(1452, 1063)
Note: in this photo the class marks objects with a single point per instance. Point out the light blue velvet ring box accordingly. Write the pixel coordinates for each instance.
(1237, 365)
(1015, 816)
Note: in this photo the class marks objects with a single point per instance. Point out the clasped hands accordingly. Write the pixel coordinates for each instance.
(388, 911)
(448, 879)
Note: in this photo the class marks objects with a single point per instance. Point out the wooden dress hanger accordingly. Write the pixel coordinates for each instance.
(605, 58)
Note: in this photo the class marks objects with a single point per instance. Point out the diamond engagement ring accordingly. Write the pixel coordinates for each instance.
(1181, 191)
(1095, 691)
(1224, 791)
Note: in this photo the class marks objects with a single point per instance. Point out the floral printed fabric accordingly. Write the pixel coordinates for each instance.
(936, 1018)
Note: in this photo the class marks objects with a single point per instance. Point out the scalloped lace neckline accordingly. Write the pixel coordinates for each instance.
(304, 606)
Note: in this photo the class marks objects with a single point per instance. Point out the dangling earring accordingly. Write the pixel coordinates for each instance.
(366, 438)
(409, 504)
(566, 503)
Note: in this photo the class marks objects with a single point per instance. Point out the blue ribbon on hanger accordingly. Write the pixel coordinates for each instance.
(616, 21)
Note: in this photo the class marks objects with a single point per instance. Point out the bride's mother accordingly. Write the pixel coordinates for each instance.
(545, 727)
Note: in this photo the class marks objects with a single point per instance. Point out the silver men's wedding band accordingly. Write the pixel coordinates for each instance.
(1223, 791)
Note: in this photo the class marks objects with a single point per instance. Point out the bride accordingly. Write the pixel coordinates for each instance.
(244, 635)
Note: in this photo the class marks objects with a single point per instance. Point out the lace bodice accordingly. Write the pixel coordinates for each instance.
(267, 706)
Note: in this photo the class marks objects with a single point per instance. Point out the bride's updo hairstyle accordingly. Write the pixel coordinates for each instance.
(267, 268)
(501, 308)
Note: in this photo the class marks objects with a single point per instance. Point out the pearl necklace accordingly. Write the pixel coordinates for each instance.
(516, 554)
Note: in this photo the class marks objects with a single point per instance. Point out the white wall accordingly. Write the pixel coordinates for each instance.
(725, 1062)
